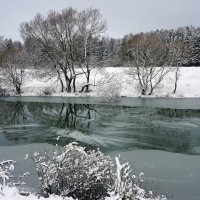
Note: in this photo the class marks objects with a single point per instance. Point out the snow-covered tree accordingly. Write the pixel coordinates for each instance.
(195, 50)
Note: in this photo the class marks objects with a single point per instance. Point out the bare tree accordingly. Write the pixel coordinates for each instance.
(52, 36)
(147, 56)
(96, 57)
(13, 69)
(178, 54)
(61, 38)
(90, 25)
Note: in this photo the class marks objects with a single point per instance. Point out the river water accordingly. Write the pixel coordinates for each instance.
(160, 137)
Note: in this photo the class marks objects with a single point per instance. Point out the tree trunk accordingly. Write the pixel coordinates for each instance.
(18, 89)
(176, 80)
(74, 84)
(68, 81)
(85, 87)
(69, 88)
(150, 93)
(62, 85)
(151, 86)
(88, 82)
(61, 81)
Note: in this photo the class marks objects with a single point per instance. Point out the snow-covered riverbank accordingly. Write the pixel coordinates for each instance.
(13, 194)
(114, 81)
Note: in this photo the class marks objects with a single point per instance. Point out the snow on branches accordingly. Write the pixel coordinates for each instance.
(7, 180)
(5, 168)
(80, 174)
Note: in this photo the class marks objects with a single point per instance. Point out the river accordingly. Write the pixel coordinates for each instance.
(160, 137)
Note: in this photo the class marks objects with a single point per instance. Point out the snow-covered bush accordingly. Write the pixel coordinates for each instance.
(75, 173)
(85, 175)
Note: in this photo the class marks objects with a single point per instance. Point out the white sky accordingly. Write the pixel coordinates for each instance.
(123, 16)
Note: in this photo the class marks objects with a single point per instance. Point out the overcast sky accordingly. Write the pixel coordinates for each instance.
(123, 16)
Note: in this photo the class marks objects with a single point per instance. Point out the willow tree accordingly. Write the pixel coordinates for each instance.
(62, 38)
(147, 55)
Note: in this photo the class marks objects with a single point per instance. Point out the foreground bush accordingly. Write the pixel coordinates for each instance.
(86, 175)
(74, 173)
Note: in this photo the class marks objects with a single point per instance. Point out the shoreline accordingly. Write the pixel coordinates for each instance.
(155, 102)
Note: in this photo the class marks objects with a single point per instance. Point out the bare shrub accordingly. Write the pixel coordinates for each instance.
(47, 91)
(109, 87)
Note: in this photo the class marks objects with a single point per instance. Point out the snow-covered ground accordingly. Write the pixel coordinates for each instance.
(13, 194)
(9, 193)
(115, 80)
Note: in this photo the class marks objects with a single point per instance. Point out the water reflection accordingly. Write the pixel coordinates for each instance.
(113, 128)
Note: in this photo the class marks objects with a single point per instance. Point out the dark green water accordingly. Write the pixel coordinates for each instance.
(147, 131)
(110, 127)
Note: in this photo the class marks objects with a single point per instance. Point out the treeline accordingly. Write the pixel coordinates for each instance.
(188, 36)
(70, 43)
(119, 49)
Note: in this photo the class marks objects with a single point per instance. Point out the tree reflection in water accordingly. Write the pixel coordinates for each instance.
(107, 126)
